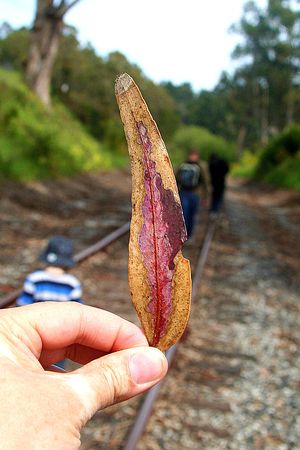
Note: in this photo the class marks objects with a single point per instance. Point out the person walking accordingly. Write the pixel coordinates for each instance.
(190, 176)
(218, 169)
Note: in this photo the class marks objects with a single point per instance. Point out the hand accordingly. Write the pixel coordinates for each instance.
(41, 409)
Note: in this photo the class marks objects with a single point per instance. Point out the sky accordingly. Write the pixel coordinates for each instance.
(176, 40)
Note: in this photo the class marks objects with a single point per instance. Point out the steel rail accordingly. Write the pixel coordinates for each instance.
(147, 405)
(78, 258)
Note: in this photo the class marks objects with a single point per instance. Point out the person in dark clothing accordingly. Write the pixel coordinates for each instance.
(190, 176)
(218, 169)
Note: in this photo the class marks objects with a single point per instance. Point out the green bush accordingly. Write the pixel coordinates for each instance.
(288, 174)
(280, 161)
(246, 166)
(35, 142)
(194, 137)
(282, 147)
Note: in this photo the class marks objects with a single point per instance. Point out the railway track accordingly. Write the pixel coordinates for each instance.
(131, 429)
(144, 413)
(233, 378)
(9, 299)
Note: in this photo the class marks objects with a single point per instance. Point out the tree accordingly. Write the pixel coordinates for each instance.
(270, 56)
(45, 36)
(83, 81)
(183, 96)
(14, 46)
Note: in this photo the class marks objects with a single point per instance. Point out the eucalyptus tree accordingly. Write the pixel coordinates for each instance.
(270, 61)
(45, 35)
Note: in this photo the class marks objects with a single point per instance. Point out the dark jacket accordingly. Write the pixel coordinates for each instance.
(218, 169)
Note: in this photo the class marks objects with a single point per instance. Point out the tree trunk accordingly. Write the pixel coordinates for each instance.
(241, 142)
(290, 107)
(256, 106)
(264, 137)
(45, 36)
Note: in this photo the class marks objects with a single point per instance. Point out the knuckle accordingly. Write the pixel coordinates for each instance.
(116, 381)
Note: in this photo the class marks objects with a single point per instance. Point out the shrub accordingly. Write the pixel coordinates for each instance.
(193, 137)
(246, 166)
(280, 161)
(282, 147)
(38, 143)
(286, 174)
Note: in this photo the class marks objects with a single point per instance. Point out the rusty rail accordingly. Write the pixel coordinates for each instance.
(147, 405)
(79, 257)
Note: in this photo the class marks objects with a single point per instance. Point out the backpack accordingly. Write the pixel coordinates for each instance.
(189, 176)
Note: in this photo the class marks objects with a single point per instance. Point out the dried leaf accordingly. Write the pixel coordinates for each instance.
(159, 276)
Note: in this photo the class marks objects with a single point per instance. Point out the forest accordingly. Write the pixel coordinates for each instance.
(251, 117)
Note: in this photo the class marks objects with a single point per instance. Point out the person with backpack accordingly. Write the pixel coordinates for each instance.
(190, 176)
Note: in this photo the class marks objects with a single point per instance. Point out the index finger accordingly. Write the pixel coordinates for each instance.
(54, 325)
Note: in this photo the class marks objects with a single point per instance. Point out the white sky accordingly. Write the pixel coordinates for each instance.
(177, 40)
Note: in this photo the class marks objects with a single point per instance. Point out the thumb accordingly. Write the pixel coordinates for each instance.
(117, 377)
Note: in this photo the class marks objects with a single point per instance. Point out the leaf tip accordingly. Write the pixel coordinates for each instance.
(123, 83)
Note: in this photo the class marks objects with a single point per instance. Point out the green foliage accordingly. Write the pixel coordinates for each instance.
(37, 143)
(286, 174)
(89, 80)
(258, 100)
(262, 96)
(84, 82)
(279, 163)
(246, 167)
(13, 47)
(282, 147)
(270, 76)
(183, 96)
(193, 137)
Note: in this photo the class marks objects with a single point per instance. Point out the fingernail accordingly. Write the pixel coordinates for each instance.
(147, 365)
